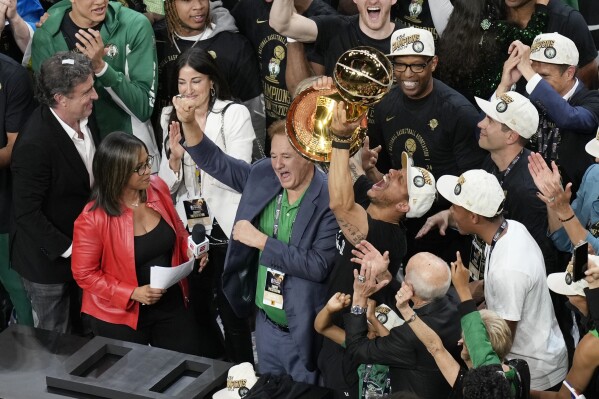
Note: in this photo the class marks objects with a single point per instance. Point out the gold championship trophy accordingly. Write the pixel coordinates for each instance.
(362, 76)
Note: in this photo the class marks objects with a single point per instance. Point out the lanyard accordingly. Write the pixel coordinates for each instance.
(494, 241)
(509, 168)
(275, 227)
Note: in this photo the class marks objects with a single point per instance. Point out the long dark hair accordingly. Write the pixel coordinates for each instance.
(460, 49)
(200, 61)
(115, 159)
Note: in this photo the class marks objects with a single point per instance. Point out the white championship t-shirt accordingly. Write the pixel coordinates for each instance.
(516, 289)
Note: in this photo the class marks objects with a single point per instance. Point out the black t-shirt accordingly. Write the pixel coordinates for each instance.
(16, 104)
(590, 11)
(567, 21)
(68, 29)
(251, 17)
(337, 373)
(233, 55)
(416, 14)
(337, 34)
(438, 131)
(521, 201)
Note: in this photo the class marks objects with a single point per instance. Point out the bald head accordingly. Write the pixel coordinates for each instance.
(429, 275)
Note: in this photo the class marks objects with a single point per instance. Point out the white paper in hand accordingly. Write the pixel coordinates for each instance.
(165, 277)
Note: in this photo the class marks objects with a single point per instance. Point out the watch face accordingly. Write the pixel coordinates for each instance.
(357, 309)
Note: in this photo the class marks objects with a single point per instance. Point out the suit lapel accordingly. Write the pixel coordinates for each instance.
(67, 148)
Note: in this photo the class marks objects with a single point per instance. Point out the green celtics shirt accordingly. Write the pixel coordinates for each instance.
(287, 215)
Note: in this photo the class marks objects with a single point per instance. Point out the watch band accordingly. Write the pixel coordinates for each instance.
(356, 309)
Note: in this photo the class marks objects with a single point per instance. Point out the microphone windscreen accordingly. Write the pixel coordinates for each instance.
(198, 233)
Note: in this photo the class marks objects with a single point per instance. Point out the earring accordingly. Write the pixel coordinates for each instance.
(212, 91)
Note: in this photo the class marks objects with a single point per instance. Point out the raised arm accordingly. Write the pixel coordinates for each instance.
(323, 324)
(287, 22)
(429, 338)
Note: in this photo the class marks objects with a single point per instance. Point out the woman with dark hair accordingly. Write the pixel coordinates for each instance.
(475, 43)
(129, 226)
(228, 125)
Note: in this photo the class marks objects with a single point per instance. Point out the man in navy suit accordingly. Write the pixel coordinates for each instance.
(282, 249)
(51, 170)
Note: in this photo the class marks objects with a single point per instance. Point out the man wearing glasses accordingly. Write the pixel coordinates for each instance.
(429, 120)
(52, 175)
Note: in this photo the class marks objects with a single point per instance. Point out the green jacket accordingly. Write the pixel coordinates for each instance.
(128, 87)
(477, 341)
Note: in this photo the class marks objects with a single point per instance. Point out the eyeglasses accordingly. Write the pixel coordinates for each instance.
(416, 68)
(141, 170)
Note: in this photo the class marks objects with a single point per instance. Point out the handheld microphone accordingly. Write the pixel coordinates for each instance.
(197, 242)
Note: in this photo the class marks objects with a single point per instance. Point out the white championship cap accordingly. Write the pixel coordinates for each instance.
(553, 48)
(421, 187)
(513, 110)
(475, 190)
(412, 41)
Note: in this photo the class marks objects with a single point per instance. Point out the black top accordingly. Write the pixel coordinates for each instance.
(415, 13)
(411, 367)
(437, 130)
(567, 21)
(337, 34)
(339, 375)
(155, 248)
(521, 201)
(251, 17)
(68, 29)
(16, 104)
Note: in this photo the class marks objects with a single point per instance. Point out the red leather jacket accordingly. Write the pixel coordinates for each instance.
(103, 260)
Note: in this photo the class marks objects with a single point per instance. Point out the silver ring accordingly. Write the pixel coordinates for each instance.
(400, 295)
(361, 278)
(551, 199)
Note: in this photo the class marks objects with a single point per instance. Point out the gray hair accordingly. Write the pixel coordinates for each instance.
(429, 275)
(60, 74)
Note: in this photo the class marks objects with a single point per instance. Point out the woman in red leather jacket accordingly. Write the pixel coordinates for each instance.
(129, 225)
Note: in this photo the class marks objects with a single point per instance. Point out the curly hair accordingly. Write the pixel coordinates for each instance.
(486, 382)
(465, 45)
(173, 22)
(60, 74)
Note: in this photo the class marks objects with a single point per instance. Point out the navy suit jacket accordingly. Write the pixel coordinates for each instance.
(306, 260)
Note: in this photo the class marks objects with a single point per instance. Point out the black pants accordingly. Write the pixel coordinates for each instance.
(210, 301)
(174, 329)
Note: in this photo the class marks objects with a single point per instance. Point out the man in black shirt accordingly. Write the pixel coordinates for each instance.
(333, 35)
(411, 367)
(401, 193)
(432, 122)
(272, 49)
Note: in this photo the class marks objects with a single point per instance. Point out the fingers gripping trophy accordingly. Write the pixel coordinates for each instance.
(362, 76)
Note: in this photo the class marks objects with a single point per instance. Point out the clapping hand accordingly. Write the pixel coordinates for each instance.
(548, 181)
